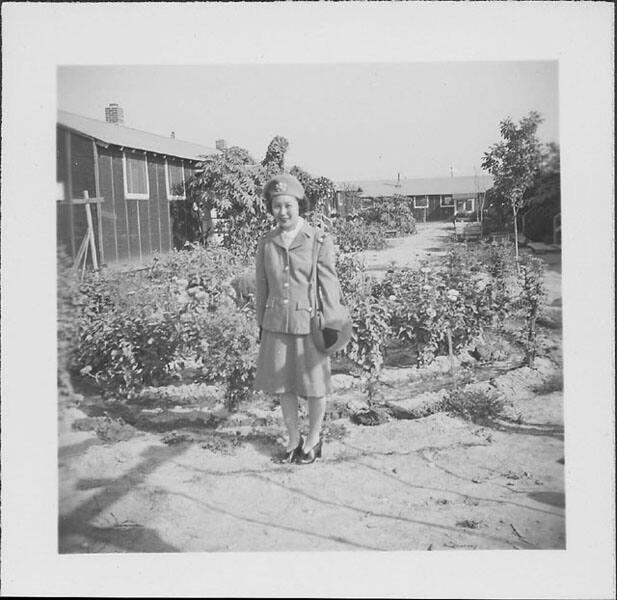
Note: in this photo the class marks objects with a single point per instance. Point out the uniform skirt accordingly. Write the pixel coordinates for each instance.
(289, 363)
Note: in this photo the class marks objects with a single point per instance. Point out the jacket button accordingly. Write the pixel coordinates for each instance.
(286, 284)
(285, 300)
(286, 268)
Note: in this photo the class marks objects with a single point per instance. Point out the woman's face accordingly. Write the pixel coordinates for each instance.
(286, 211)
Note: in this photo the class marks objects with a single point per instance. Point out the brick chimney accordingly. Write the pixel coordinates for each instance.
(221, 144)
(114, 114)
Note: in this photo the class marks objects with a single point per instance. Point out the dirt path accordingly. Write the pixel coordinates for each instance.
(430, 240)
(434, 483)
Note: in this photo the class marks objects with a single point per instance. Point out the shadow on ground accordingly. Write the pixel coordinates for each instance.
(78, 535)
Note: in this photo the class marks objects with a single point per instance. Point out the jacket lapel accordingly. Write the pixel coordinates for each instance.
(275, 236)
(307, 232)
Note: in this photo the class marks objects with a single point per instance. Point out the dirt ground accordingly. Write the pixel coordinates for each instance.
(431, 483)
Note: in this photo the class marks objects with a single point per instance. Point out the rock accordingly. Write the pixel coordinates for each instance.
(370, 417)
(418, 406)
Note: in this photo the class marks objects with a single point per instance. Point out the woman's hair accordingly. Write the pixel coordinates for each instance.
(303, 204)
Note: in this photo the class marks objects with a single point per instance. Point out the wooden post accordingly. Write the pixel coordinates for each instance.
(450, 350)
(95, 262)
(97, 193)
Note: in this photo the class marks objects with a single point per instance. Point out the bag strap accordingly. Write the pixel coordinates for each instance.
(313, 277)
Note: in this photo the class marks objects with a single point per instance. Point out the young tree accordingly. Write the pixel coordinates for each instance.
(514, 161)
(319, 192)
(231, 183)
(274, 160)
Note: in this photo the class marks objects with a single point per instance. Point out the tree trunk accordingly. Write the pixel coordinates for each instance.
(531, 342)
(514, 211)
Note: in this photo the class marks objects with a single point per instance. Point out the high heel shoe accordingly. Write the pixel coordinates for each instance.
(289, 456)
(306, 458)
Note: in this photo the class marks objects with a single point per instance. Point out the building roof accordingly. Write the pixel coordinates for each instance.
(119, 135)
(383, 188)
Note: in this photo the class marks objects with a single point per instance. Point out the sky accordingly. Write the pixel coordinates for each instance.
(342, 121)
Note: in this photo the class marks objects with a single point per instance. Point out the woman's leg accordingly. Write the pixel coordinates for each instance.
(289, 408)
(317, 412)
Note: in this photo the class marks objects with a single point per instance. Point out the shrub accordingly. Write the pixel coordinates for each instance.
(479, 406)
(127, 341)
(351, 271)
(371, 332)
(226, 352)
(500, 265)
(430, 305)
(529, 302)
(393, 215)
(196, 269)
(356, 236)
(240, 234)
(68, 306)
(142, 329)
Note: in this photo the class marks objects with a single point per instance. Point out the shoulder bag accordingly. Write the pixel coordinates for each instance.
(317, 318)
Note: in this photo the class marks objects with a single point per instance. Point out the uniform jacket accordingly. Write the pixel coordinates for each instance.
(282, 282)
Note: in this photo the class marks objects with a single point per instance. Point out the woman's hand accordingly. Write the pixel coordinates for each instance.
(330, 336)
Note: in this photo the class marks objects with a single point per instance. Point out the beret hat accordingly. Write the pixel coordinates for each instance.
(283, 184)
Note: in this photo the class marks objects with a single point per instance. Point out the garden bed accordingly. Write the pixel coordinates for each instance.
(424, 451)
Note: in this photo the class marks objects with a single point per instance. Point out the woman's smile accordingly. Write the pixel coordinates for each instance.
(286, 211)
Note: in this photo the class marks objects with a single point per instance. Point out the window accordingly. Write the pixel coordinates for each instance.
(420, 202)
(174, 179)
(465, 205)
(135, 168)
(446, 202)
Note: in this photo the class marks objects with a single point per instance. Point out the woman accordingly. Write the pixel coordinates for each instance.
(289, 365)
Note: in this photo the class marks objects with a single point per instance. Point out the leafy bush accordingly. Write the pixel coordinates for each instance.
(479, 406)
(127, 341)
(393, 215)
(68, 306)
(240, 234)
(142, 329)
(356, 236)
(226, 352)
(430, 305)
(370, 335)
(351, 271)
(500, 265)
(529, 302)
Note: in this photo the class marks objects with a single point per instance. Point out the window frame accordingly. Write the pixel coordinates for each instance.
(464, 202)
(424, 198)
(135, 195)
(450, 198)
(171, 196)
